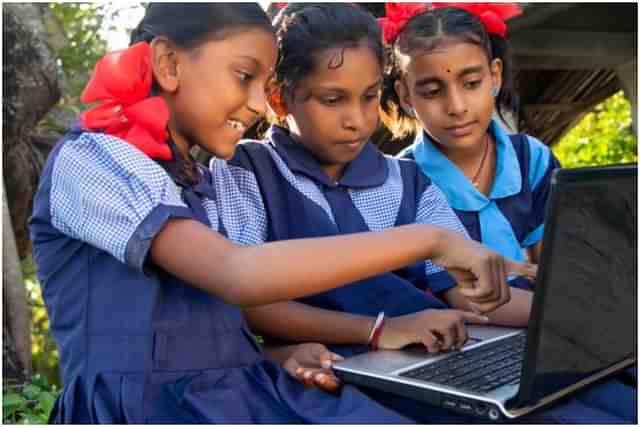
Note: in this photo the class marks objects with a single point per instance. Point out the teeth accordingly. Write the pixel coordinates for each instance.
(237, 125)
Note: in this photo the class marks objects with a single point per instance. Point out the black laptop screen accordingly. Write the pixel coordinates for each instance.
(589, 303)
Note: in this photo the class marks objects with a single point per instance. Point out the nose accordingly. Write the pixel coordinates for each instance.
(354, 117)
(456, 104)
(257, 102)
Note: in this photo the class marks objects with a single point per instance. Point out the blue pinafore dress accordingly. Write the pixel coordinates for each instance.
(138, 345)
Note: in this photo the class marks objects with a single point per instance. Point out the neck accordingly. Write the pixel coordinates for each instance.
(333, 171)
(466, 157)
(182, 143)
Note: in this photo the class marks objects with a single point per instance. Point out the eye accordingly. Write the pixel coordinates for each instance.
(244, 76)
(372, 96)
(330, 100)
(472, 84)
(430, 93)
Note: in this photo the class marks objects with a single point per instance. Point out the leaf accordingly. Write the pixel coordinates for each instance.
(13, 400)
(46, 402)
(31, 392)
(32, 419)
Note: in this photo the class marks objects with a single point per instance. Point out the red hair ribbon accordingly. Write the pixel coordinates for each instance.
(396, 17)
(492, 15)
(122, 82)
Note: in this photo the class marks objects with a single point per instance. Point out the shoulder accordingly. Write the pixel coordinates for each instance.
(541, 159)
(251, 153)
(91, 152)
(410, 173)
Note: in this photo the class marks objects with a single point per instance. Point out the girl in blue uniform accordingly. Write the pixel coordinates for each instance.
(497, 184)
(141, 284)
(449, 71)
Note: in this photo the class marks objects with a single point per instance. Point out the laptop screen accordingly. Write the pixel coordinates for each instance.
(589, 276)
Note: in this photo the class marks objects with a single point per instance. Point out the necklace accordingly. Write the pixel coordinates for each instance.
(474, 180)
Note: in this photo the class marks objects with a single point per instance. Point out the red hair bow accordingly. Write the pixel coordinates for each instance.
(396, 17)
(122, 82)
(492, 15)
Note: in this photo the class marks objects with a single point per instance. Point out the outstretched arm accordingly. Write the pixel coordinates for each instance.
(263, 274)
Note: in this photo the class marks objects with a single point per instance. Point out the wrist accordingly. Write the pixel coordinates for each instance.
(376, 331)
(279, 353)
(366, 332)
(434, 238)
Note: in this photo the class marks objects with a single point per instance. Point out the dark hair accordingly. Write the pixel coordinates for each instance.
(425, 32)
(189, 25)
(305, 29)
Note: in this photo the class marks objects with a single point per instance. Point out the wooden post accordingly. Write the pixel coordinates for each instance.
(627, 74)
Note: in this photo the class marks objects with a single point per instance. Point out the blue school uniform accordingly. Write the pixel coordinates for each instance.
(374, 193)
(509, 219)
(136, 343)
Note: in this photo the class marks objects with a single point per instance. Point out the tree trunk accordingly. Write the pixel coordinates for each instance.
(16, 327)
(30, 89)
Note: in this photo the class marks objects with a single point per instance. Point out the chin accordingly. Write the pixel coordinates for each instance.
(224, 147)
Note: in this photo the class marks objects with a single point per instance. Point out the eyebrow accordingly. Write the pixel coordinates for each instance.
(339, 89)
(250, 58)
(465, 71)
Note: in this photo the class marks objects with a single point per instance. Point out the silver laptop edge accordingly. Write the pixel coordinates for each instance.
(495, 398)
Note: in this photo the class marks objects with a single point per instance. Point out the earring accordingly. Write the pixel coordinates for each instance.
(410, 112)
(495, 91)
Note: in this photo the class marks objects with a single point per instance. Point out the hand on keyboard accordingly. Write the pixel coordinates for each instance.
(437, 330)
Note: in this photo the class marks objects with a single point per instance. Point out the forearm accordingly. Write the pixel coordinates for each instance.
(279, 271)
(515, 313)
(297, 322)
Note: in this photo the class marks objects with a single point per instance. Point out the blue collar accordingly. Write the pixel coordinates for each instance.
(460, 192)
(369, 169)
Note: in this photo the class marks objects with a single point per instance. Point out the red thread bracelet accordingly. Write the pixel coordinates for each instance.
(376, 332)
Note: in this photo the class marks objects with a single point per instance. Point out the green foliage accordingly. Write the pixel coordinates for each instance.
(604, 136)
(77, 54)
(44, 354)
(81, 23)
(29, 403)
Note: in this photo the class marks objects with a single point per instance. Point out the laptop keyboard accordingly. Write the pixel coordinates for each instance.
(481, 369)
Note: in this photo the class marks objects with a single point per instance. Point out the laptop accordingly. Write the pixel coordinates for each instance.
(583, 323)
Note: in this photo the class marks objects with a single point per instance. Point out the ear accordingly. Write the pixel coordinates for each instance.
(276, 101)
(165, 62)
(496, 74)
(400, 86)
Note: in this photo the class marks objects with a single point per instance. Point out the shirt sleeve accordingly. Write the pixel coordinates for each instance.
(241, 208)
(541, 166)
(434, 209)
(109, 194)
